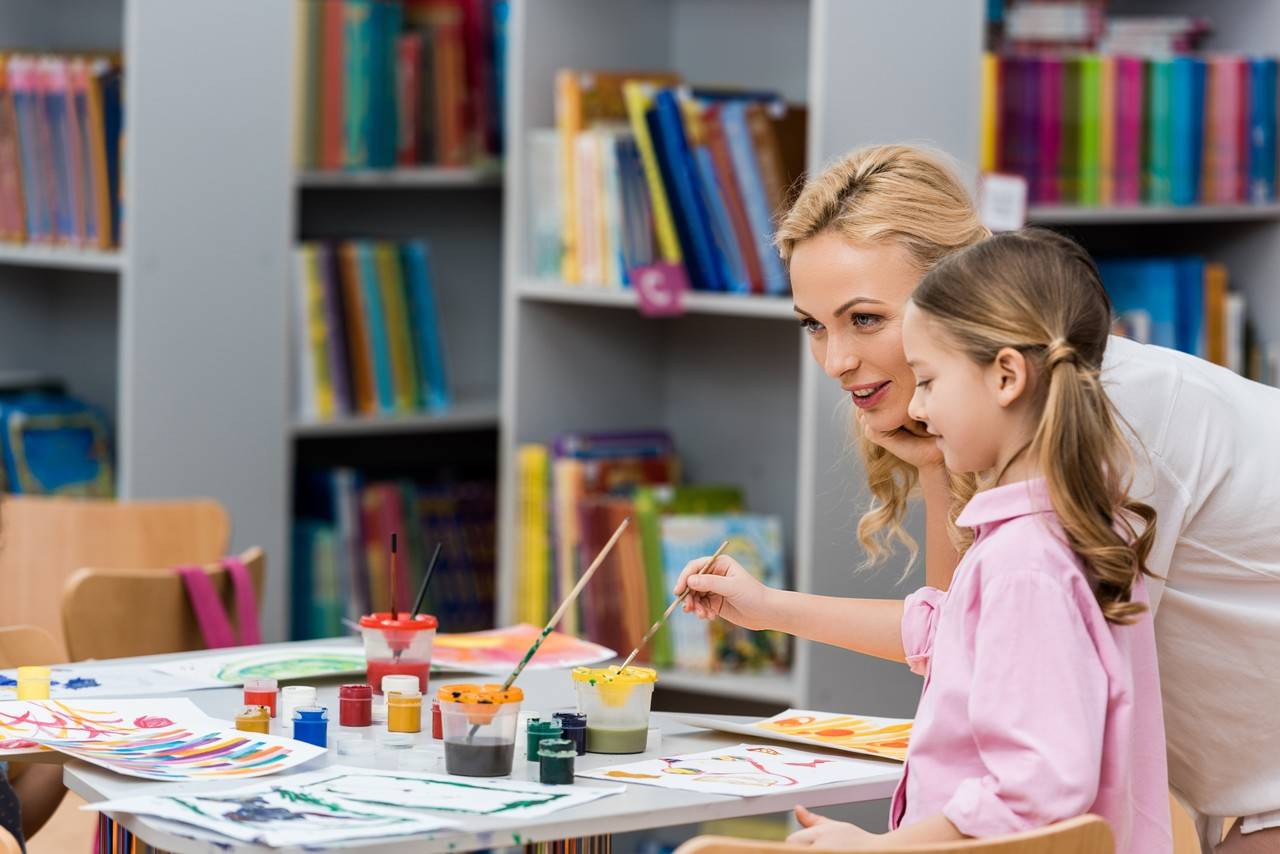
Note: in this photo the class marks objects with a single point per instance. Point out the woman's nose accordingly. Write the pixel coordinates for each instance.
(840, 358)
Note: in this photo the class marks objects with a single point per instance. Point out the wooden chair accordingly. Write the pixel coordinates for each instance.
(44, 540)
(112, 613)
(1086, 834)
(23, 645)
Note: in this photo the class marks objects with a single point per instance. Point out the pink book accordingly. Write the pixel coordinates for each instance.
(1127, 158)
(1049, 132)
(1226, 94)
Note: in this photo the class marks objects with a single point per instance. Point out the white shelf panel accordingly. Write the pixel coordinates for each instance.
(60, 258)
(462, 416)
(1142, 214)
(420, 177)
(694, 303)
(765, 687)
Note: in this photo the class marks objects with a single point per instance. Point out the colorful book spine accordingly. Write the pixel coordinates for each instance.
(404, 378)
(639, 100)
(333, 65)
(1106, 130)
(37, 190)
(680, 176)
(1262, 130)
(12, 207)
(358, 57)
(375, 315)
(988, 159)
(1090, 144)
(1050, 179)
(1159, 141)
(1130, 97)
(751, 188)
(426, 326)
(1185, 102)
(1225, 100)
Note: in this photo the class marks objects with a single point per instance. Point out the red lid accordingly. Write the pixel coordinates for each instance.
(403, 622)
(355, 692)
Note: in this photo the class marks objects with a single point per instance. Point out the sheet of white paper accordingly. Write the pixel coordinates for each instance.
(300, 662)
(87, 679)
(26, 724)
(745, 770)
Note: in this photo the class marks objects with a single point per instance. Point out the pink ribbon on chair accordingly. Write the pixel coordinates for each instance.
(212, 618)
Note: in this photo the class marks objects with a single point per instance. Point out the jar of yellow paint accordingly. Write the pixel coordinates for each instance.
(404, 711)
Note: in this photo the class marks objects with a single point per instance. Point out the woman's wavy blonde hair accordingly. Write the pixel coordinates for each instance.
(1040, 293)
(911, 197)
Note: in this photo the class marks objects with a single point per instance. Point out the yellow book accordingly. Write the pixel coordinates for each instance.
(404, 372)
(1215, 312)
(317, 332)
(533, 582)
(988, 160)
(639, 97)
(1107, 131)
(567, 481)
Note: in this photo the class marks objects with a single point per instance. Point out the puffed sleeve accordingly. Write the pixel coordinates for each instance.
(1037, 707)
(920, 614)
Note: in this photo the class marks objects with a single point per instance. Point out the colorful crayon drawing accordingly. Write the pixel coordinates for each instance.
(277, 815)
(293, 662)
(26, 726)
(499, 650)
(74, 681)
(180, 753)
(885, 737)
(746, 770)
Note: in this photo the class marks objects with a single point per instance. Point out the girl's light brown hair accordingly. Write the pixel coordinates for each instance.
(1040, 293)
(888, 194)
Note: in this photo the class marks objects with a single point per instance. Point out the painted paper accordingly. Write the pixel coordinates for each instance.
(289, 662)
(75, 681)
(500, 650)
(27, 725)
(883, 737)
(745, 770)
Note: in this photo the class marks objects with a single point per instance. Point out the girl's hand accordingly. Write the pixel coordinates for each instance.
(726, 590)
(910, 443)
(821, 832)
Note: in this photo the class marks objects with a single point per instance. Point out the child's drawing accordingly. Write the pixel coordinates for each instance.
(297, 662)
(499, 650)
(26, 725)
(877, 736)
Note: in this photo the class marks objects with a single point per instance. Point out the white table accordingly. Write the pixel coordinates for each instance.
(637, 808)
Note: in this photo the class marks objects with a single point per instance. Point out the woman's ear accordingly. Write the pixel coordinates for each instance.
(1008, 376)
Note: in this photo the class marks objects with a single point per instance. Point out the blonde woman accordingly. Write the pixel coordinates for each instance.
(858, 240)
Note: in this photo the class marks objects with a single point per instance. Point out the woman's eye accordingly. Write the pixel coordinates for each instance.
(810, 326)
(864, 321)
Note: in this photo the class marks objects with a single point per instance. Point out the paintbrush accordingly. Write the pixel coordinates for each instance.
(393, 577)
(426, 579)
(653, 630)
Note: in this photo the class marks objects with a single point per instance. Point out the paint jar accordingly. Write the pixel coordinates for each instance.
(33, 682)
(555, 761)
(437, 724)
(311, 724)
(535, 731)
(616, 703)
(357, 751)
(292, 698)
(400, 683)
(479, 723)
(261, 692)
(404, 711)
(574, 728)
(355, 705)
(254, 719)
(400, 646)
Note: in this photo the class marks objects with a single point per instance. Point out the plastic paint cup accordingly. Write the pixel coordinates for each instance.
(574, 728)
(311, 724)
(617, 705)
(479, 723)
(555, 761)
(397, 647)
(355, 706)
(404, 711)
(261, 692)
(33, 682)
(254, 719)
(292, 698)
(537, 730)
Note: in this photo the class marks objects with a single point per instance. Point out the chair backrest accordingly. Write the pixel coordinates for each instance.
(23, 645)
(44, 540)
(1086, 834)
(112, 613)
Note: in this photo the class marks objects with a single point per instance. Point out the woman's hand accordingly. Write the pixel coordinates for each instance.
(726, 590)
(910, 443)
(821, 832)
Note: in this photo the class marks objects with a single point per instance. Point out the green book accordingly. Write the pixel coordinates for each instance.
(651, 503)
(357, 52)
(1159, 138)
(1090, 123)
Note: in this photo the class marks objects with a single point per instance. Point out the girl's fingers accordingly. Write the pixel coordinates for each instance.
(808, 819)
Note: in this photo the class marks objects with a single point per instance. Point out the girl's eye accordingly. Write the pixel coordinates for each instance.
(864, 321)
(811, 326)
(923, 383)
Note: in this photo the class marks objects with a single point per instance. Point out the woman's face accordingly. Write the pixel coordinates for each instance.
(850, 298)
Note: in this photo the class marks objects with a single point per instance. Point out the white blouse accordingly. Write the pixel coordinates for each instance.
(1208, 460)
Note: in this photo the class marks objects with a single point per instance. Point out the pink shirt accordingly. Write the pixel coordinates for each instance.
(1034, 708)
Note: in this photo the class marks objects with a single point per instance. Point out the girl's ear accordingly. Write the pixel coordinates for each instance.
(1008, 376)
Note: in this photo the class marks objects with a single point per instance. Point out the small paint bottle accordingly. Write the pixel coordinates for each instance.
(535, 731)
(555, 761)
(404, 711)
(254, 719)
(261, 692)
(355, 705)
(574, 726)
(33, 683)
(311, 724)
(292, 698)
(437, 721)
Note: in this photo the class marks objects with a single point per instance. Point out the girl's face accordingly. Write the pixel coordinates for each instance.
(849, 298)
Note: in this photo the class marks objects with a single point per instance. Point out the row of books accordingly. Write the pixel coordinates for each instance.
(645, 170)
(343, 521)
(1084, 25)
(572, 496)
(387, 83)
(61, 129)
(367, 331)
(1185, 303)
(1095, 129)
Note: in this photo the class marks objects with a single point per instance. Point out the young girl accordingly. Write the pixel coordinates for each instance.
(1041, 697)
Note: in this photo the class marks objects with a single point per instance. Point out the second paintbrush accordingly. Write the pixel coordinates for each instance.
(653, 630)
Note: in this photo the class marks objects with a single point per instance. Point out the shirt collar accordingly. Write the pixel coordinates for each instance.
(1006, 502)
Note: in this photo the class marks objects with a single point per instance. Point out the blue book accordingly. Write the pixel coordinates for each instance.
(56, 118)
(732, 267)
(1184, 120)
(681, 178)
(425, 324)
(386, 25)
(39, 218)
(1144, 298)
(80, 103)
(1160, 136)
(1262, 130)
(376, 320)
(754, 198)
(112, 128)
(1190, 306)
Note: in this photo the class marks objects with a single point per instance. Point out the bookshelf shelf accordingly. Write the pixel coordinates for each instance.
(728, 305)
(476, 415)
(58, 258)
(424, 177)
(764, 687)
(1149, 214)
